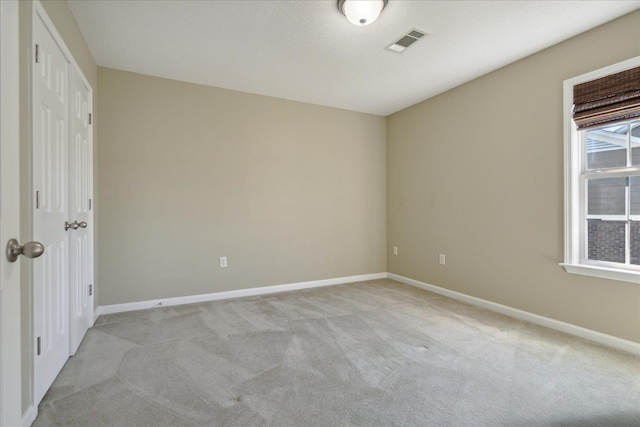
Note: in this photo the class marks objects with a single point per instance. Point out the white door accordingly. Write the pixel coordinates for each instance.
(10, 360)
(50, 201)
(80, 211)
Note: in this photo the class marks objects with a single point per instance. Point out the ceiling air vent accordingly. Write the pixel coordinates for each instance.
(407, 40)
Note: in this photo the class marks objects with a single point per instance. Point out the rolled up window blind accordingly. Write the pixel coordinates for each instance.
(607, 100)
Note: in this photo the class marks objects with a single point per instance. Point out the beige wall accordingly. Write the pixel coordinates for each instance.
(477, 174)
(66, 25)
(288, 191)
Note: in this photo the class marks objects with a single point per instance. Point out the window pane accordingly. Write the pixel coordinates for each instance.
(635, 143)
(606, 196)
(634, 189)
(606, 240)
(635, 242)
(607, 146)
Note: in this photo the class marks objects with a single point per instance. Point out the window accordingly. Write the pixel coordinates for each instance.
(602, 172)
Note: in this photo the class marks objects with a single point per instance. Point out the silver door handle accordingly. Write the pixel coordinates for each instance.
(74, 225)
(30, 250)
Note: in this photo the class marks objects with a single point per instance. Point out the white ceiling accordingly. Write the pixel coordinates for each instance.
(305, 50)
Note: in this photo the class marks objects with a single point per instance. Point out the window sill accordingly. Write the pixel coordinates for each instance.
(602, 272)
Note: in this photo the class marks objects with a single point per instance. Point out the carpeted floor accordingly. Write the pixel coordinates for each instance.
(375, 353)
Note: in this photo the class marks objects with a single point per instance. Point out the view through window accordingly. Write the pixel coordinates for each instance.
(612, 183)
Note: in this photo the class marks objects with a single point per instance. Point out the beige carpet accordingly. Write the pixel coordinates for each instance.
(369, 354)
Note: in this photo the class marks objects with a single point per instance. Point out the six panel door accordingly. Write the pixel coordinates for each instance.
(80, 212)
(62, 165)
(50, 180)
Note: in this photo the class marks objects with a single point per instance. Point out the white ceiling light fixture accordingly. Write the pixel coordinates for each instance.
(361, 12)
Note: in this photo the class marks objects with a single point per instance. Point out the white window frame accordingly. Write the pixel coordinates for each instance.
(574, 238)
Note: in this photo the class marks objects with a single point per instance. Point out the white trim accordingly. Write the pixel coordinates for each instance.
(573, 236)
(602, 72)
(602, 272)
(10, 307)
(571, 240)
(608, 340)
(144, 305)
(578, 331)
(608, 217)
(30, 416)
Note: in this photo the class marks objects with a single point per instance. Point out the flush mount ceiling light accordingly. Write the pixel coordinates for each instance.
(361, 12)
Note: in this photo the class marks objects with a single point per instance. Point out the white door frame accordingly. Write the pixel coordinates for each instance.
(10, 325)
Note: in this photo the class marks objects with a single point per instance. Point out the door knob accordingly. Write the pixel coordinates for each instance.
(74, 225)
(30, 250)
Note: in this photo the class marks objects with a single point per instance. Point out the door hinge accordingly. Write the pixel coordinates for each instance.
(38, 199)
(38, 346)
(90, 204)
(89, 118)
(90, 290)
(37, 53)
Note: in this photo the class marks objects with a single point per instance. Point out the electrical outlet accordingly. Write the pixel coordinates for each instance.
(223, 262)
(441, 259)
(395, 250)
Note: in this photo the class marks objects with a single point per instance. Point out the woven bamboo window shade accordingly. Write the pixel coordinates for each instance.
(607, 100)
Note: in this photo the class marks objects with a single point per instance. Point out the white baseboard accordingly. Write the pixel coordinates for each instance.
(29, 416)
(599, 337)
(143, 305)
